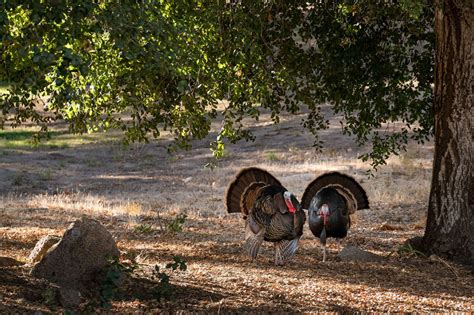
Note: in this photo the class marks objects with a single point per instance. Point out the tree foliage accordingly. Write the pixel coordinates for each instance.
(166, 64)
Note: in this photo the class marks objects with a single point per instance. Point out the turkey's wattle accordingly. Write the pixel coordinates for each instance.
(324, 213)
(289, 203)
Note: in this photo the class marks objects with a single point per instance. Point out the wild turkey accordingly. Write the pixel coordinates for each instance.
(271, 212)
(331, 199)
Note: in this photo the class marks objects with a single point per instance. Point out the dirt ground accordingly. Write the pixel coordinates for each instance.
(137, 191)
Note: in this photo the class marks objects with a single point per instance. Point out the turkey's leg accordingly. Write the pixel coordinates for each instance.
(322, 238)
(278, 256)
(323, 247)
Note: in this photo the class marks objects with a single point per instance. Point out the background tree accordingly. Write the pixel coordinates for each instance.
(165, 64)
(450, 222)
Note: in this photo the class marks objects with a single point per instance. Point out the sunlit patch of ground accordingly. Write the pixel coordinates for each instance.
(137, 192)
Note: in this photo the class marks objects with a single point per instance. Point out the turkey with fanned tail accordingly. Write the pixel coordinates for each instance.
(272, 213)
(331, 199)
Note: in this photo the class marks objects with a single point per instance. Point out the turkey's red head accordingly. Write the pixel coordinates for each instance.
(289, 203)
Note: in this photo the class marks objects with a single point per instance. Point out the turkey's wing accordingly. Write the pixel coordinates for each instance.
(254, 235)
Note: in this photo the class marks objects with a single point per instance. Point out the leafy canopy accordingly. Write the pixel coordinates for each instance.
(166, 64)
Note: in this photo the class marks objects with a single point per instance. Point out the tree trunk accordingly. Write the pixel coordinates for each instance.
(450, 225)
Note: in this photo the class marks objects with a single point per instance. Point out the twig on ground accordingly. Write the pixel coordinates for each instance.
(444, 262)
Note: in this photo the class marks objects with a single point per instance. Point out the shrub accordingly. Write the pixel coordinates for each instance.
(164, 289)
(176, 225)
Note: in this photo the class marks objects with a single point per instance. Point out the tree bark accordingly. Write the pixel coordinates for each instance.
(450, 224)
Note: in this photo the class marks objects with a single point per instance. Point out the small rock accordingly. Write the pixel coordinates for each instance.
(42, 247)
(9, 262)
(352, 253)
(187, 179)
(69, 297)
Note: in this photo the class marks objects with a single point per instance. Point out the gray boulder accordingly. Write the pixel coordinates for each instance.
(42, 247)
(83, 251)
(352, 253)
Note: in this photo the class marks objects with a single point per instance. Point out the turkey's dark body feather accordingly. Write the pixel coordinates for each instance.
(270, 212)
(339, 220)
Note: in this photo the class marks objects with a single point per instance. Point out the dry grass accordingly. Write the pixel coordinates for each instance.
(138, 191)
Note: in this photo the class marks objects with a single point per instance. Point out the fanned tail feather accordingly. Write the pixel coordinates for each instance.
(245, 178)
(249, 196)
(344, 184)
